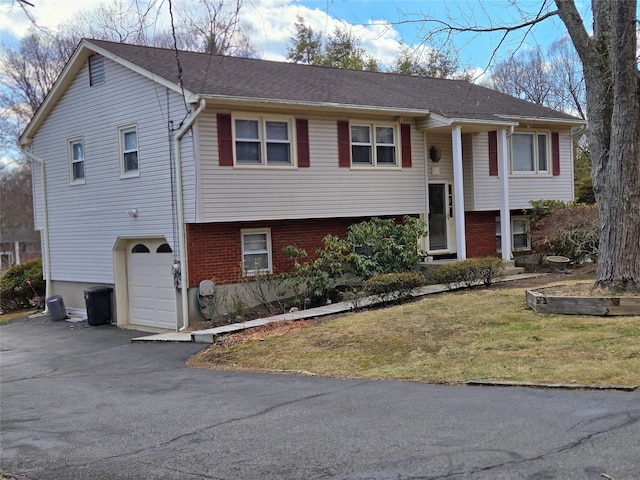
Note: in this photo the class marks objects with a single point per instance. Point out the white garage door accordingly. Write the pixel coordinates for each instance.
(152, 296)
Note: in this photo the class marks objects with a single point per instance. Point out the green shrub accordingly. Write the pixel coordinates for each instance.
(380, 246)
(22, 286)
(393, 286)
(370, 248)
(467, 273)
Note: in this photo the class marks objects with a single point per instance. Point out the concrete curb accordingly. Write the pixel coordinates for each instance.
(551, 385)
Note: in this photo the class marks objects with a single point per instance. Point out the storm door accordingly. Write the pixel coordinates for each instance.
(438, 211)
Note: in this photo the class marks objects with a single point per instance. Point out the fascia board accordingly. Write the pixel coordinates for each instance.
(296, 105)
(555, 121)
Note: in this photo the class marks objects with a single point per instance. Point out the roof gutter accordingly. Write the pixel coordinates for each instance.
(45, 224)
(306, 105)
(184, 286)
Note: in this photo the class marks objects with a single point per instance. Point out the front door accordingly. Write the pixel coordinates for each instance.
(438, 217)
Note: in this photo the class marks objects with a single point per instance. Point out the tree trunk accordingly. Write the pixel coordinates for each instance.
(613, 110)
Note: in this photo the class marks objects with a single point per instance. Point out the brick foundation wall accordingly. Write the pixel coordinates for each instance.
(215, 250)
(480, 230)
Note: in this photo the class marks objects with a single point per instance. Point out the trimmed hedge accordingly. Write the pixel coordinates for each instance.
(391, 287)
(468, 273)
(22, 286)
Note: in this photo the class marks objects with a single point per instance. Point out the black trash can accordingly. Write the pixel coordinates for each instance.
(55, 307)
(98, 301)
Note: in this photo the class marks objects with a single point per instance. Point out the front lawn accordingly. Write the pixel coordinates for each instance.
(478, 334)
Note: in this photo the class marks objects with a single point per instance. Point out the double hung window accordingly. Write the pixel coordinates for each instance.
(263, 141)
(256, 251)
(520, 239)
(76, 161)
(373, 145)
(530, 153)
(129, 151)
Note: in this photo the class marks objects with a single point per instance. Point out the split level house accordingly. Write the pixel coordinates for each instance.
(156, 169)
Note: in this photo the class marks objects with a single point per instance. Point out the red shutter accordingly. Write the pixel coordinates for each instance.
(405, 140)
(555, 153)
(344, 144)
(302, 139)
(493, 153)
(225, 140)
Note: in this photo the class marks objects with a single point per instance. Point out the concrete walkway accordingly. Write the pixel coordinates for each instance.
(208, 335)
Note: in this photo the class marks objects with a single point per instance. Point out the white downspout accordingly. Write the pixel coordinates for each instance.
(45, 224)
(181, 227)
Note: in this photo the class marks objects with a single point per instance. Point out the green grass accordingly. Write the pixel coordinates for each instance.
(486, 334)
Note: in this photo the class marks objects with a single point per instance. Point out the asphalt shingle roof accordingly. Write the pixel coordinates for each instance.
(216, 75)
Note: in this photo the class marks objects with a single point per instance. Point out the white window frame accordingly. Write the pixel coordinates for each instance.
(263, 140)
(535, 135)
(73, 161)
(373, 145)
(122, 131)
(256, 231)
(515, 219)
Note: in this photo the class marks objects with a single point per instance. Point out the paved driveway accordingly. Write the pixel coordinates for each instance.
(80, 402)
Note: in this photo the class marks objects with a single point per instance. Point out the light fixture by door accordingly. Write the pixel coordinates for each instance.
(434, 154)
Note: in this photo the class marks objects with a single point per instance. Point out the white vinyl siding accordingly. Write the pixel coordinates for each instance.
(96, 215)
(323, 190)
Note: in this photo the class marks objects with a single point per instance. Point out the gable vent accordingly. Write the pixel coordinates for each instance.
(96, 70)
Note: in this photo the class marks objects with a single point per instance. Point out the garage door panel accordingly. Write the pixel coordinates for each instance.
(152, 296)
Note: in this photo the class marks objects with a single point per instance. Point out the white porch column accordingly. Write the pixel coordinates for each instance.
(458, 192)
(505, 212)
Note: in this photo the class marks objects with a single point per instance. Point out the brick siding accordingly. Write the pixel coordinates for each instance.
(480, 230)
(215, 250)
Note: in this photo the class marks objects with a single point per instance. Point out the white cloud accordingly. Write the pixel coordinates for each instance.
(272, 23)
(15, 21)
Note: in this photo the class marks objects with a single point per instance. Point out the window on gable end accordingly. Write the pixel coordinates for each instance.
(129, 166)
(76, 161)
(96, 70)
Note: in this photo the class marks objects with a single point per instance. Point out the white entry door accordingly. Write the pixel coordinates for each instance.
(152, 295)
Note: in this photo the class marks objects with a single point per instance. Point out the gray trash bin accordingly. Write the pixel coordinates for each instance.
(55, 306)
(98, 301)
